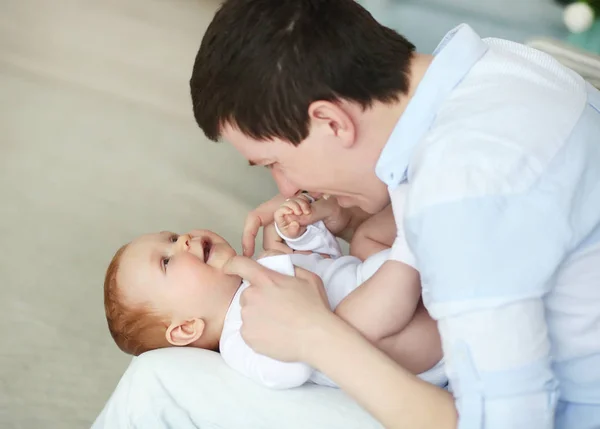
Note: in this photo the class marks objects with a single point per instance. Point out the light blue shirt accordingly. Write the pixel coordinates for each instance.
(496, 165)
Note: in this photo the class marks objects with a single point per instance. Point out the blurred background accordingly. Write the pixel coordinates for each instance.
(98, 145)
(425, 22)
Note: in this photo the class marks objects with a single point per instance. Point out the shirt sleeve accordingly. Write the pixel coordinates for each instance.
(239, 356)
(486, 263)
(317, 238)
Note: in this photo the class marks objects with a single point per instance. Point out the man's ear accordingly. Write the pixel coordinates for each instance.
(332, 118)
(186, 332)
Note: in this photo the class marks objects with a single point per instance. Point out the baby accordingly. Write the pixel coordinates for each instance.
(163, 290)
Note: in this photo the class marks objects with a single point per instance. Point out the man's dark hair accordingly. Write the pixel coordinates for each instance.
(263, 62)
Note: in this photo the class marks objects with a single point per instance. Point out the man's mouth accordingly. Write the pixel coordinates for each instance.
(206, 248)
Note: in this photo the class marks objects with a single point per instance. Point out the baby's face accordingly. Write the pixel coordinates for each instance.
(180, 276)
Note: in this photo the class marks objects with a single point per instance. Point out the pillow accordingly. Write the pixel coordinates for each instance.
(192, 388)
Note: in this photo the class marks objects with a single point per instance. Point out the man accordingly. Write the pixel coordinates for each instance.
(490, 154)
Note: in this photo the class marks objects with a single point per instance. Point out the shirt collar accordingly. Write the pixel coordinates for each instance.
(456, 54)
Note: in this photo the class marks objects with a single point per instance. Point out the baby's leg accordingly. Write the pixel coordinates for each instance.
(374, 235)
(417, 347)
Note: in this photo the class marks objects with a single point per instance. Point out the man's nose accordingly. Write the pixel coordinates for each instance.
(286, 188)
(183, 242)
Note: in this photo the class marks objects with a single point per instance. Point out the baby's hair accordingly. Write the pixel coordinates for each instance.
(135, 328)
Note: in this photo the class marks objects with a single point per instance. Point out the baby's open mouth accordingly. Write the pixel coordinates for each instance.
(206, 248)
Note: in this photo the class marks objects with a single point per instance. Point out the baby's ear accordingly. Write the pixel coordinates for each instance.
(185, 333)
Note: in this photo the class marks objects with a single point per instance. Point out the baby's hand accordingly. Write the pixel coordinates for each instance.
(288, 215)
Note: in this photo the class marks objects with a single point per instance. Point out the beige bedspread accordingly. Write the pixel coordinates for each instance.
(97, 145)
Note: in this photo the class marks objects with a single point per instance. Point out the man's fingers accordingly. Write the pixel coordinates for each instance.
(247, 269)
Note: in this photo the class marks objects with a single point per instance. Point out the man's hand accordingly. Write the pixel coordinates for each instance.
(281, 314)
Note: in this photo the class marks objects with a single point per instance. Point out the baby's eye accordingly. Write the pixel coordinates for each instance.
(165, 262)
(174, 238)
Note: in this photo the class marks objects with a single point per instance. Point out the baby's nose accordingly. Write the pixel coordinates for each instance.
(183, 242)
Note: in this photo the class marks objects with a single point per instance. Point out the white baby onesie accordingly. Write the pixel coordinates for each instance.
(340, 274)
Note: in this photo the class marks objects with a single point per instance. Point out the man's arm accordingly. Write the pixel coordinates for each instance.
(394, 396)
